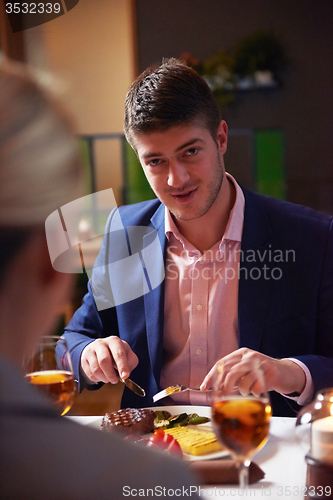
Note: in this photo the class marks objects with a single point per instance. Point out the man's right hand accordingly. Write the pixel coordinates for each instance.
(107, 360)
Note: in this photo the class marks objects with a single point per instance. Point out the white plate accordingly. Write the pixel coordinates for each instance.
(94, 422)
(203, 411)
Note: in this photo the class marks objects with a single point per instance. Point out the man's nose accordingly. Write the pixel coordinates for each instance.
(178, 174)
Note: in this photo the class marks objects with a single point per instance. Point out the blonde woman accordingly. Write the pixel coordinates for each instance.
(43, 455)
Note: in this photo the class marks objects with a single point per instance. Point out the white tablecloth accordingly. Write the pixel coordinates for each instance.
(282, 459)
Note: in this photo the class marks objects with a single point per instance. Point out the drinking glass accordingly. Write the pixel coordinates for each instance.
(49, 369)
(241, 423)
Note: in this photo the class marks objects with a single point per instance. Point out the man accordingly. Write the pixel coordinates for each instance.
(44, 455)
(245, 276)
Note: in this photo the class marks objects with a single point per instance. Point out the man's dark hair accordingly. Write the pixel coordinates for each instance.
(169, 95)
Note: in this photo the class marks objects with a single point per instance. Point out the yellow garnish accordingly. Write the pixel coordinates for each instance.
(195, 442)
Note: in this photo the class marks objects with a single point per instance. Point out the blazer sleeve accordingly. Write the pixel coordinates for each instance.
(96, 318)
(88, 324)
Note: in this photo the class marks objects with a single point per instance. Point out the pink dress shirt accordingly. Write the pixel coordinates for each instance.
(201, 305)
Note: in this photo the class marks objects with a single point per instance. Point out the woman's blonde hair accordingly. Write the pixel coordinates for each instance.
(40, 168)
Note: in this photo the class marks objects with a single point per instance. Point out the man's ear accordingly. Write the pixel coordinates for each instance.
(222, 137)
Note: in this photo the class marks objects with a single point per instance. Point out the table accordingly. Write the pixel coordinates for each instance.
(282, 459)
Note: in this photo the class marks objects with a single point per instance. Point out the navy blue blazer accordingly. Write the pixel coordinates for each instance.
(285, 304)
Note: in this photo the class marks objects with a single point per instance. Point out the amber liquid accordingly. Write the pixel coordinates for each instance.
(242, 424)
(59, 386)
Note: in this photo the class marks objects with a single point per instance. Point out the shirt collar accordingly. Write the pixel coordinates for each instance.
(234, 229)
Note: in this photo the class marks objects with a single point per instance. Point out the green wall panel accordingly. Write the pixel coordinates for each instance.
(270, 162)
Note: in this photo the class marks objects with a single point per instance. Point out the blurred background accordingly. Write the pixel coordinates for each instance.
(280, 124)
(270, 64)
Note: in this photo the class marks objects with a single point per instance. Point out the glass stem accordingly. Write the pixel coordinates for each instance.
(244, 474)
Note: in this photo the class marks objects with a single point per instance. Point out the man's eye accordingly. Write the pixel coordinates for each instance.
(191, 151)
(155, 162)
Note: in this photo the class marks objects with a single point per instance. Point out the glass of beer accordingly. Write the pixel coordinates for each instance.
(50, 370)
(241, 422)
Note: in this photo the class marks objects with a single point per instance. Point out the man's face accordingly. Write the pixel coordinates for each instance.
(184, 167)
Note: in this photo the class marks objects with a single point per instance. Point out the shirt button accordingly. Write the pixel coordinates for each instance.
(198, 351)
(199, 307)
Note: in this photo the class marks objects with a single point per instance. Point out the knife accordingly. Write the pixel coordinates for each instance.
(132, 385)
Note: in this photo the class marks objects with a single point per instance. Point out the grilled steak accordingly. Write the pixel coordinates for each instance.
(129, 421)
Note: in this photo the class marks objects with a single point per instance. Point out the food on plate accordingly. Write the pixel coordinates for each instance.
(169, 429)
(164, 441)
(164, 420)
(175, 434)
(195, 419)
(129, 421)
(195, 442)
(162, 415)
(161, 419)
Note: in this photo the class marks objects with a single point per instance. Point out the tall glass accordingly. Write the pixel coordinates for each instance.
(241, 423)
(50, 370)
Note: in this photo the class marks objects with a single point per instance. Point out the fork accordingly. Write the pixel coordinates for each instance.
(172, 390)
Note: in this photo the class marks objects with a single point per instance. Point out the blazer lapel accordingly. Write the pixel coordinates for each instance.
(154, 303)
(255, 272)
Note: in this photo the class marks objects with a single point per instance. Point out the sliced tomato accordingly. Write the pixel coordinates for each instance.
(166, 442)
